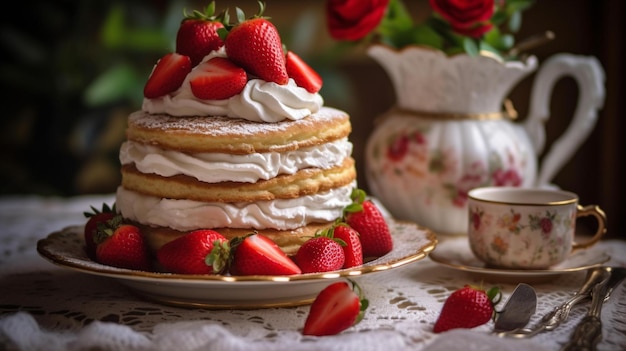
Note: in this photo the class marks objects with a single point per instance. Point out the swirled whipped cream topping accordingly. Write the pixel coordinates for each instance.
(260, 101)
(219, 167)
(186, 215)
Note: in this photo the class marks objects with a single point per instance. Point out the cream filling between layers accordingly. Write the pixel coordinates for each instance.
(220, 167)
(186, 215)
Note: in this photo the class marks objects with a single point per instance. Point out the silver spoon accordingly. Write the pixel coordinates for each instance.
(560, 313)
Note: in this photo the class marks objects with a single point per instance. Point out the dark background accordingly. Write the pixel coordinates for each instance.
(72, 71)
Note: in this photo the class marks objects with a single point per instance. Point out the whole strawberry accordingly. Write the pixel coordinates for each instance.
(255, 45)
(199, 252)
(321, 253)
(257, 254)
(364, 217)
(91, 227)
(197, 35)
(336, 308)
(467, 308)
(352, 249)
(121, 245)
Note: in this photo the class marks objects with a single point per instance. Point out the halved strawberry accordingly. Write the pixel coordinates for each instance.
(335, 309)
(352, 249)
(202, 251)
(303, 74)
(168, 75)
(121, 245)
(255, 45)
(91, 227)
(197, 35)
(257, 254)
(217, 79)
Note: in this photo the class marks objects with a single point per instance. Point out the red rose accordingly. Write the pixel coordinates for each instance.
(467, 17)
(354, 19)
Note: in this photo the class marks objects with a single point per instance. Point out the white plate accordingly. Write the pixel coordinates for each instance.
(456, 253)
(66, 248)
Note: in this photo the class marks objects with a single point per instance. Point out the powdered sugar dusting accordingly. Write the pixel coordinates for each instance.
(224, 126)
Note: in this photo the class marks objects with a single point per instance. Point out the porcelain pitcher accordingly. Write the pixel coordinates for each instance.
(452, 130)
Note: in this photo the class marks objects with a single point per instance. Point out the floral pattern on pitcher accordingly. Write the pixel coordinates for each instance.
(409, 152)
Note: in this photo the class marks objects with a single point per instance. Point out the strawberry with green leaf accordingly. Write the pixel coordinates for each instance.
(350, 243)
(202, 251)
(364, 217)
(467, 308)
(91, 227)
(336, 308)
(121, 245)
(255, 44)
(321, 253)
(198, 34)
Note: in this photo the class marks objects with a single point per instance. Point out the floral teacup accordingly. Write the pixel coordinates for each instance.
(524, 228)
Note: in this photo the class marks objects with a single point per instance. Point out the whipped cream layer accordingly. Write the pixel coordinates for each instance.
(260, 101)
(186, 215)
(218, 167)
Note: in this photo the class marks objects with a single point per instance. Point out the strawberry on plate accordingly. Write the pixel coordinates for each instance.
(121, 245)
(352, 249)
(202, 251)
(322, 253)
(167, 76)
(197, 35)
(303, 74)
(255, 45)
(467, 307)
(364, 217)
(91, 227)
(217, 79)
(257, 254)
(336, 308)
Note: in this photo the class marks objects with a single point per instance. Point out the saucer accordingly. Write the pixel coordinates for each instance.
(66, 249)
(455, 253)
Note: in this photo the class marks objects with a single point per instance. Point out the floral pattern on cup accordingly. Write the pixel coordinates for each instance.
(505, 239)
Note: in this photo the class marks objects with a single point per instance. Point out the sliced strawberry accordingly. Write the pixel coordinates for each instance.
(352, 249)
(121, 245)
(335, 309)
(168, 75)
(217, 79)
(320, 254)
(197, 35)
(304, 76)
(257, 254)
(199, 252)
(91, 227)
(255, 45)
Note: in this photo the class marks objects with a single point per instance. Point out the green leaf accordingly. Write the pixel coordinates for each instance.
(470, 46)
(425, 35)
(515, 22)
(112, 85)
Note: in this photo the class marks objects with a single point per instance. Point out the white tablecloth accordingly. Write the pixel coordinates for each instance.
(46, 307)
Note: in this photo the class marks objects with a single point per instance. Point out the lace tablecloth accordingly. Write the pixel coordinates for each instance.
(46, 307)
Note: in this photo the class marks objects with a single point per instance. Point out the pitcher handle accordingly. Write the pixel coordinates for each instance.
(589, 76)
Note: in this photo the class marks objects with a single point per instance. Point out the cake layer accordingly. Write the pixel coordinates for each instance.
(288, 240)
(287, 186)
(237, 136)
(281, 214)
